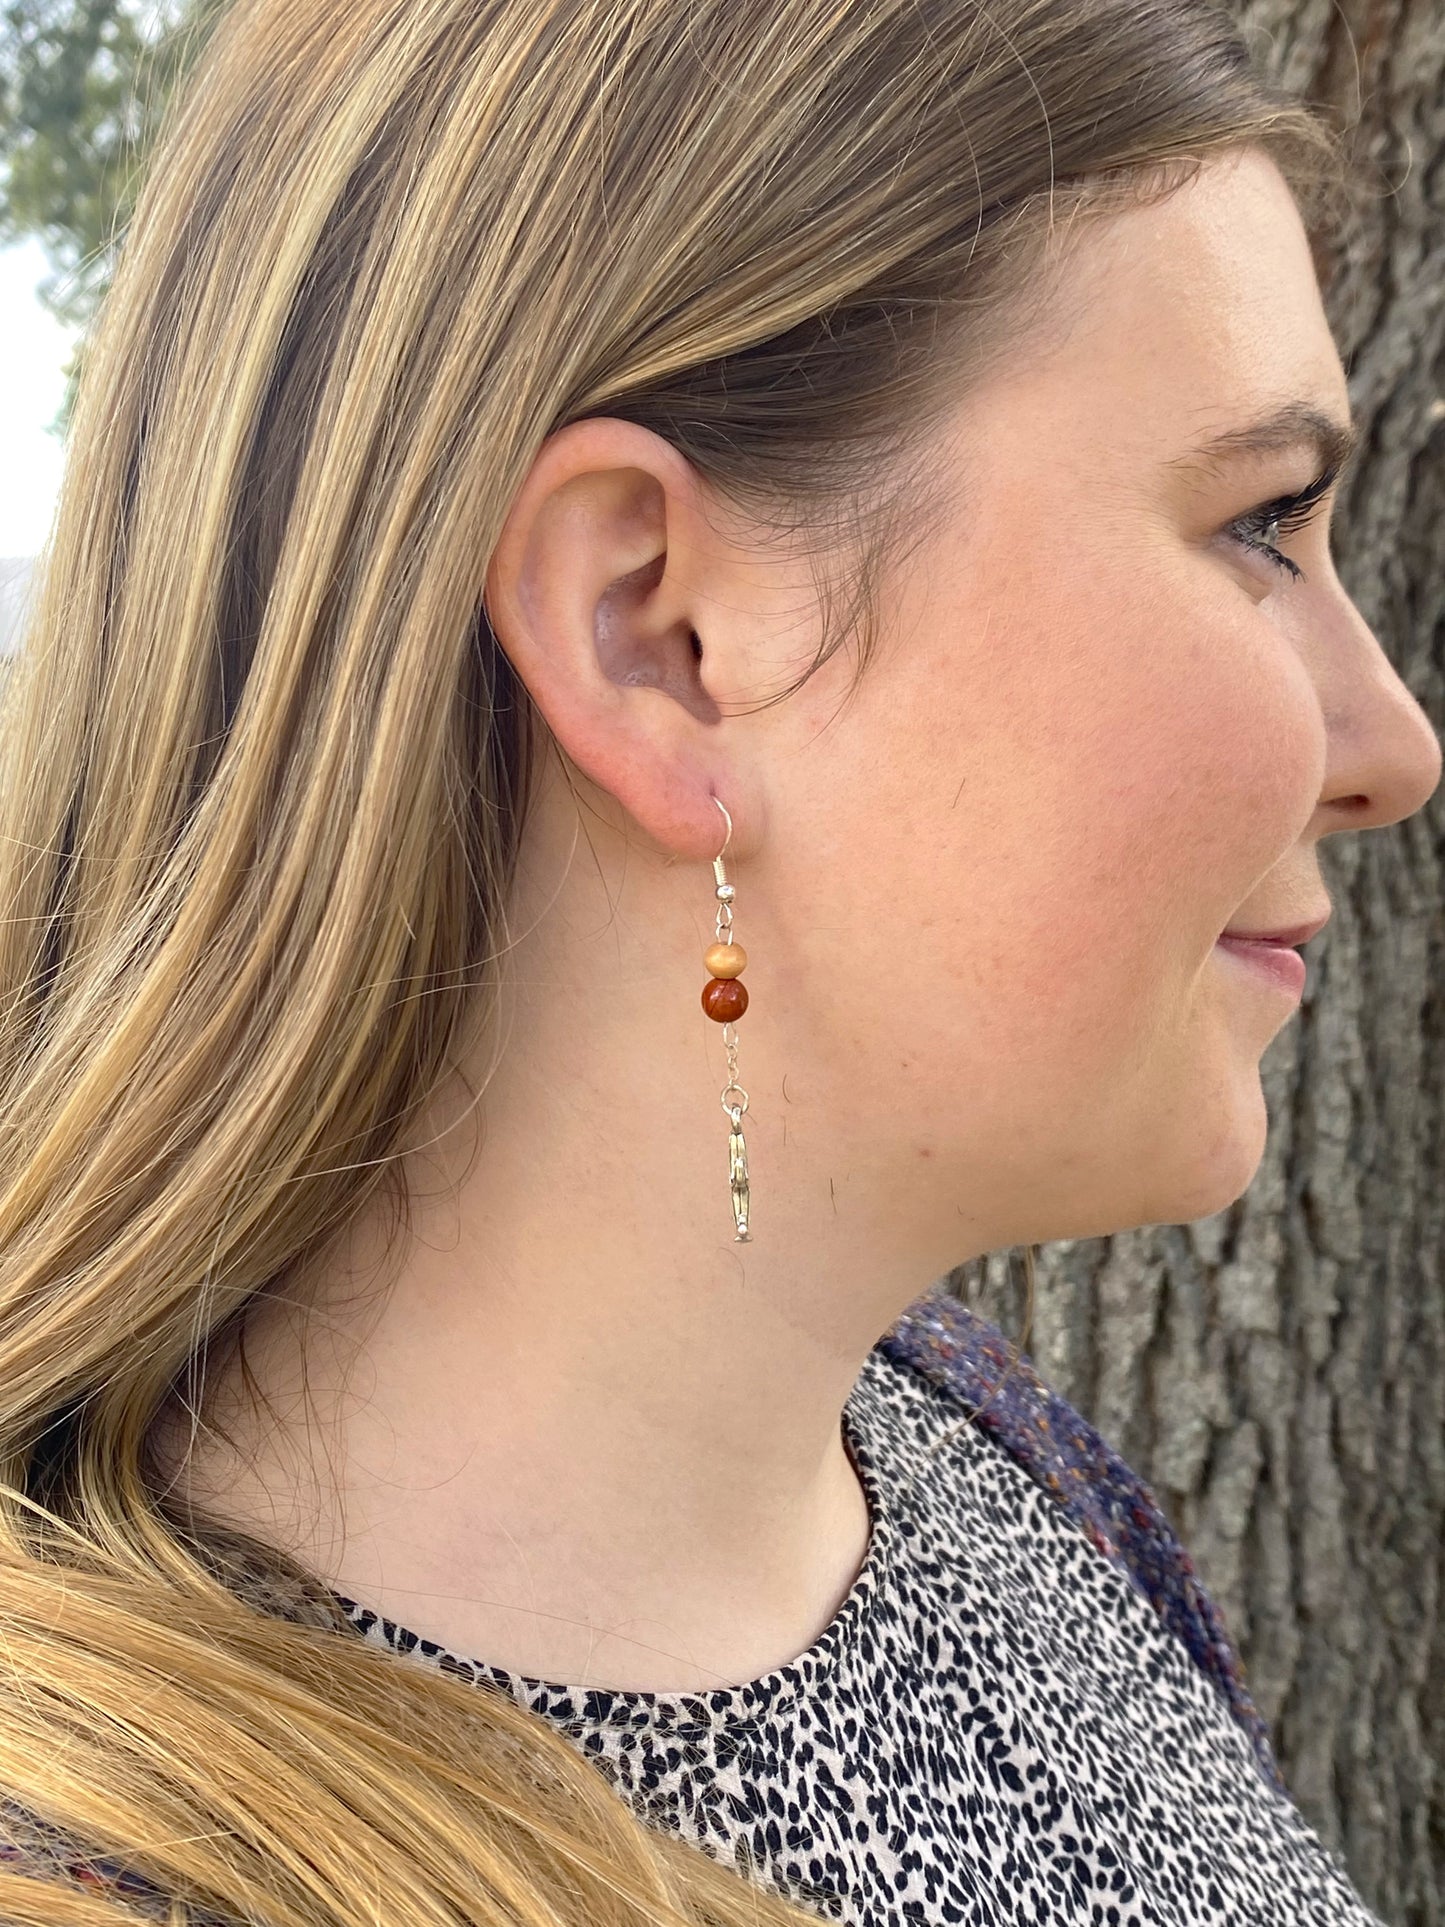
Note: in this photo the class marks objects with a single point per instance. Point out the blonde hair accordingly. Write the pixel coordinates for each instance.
(265, 771)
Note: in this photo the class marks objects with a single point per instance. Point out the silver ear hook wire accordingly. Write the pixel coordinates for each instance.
(734, 1098)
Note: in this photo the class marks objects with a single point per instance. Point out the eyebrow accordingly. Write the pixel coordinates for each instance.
(1297, 424)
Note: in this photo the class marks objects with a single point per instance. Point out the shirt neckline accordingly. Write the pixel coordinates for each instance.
(679, 1710)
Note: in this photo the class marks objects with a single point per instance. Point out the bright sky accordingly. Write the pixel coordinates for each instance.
(34, 349)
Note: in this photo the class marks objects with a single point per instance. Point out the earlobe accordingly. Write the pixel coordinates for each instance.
(652, 774)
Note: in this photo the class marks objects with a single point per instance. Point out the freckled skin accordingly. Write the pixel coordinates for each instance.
(1137, 710)
(979, 902)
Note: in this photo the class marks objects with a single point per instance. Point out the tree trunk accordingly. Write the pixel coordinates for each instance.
(1277, 1372)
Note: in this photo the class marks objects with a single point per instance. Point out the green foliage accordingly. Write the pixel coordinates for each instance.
(83, 88)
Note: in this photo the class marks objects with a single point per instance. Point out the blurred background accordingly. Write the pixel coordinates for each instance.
(1277, 1372)
(82, 86)
(35, 352)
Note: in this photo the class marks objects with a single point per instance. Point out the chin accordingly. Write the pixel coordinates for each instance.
(1202, 1160)
(1221, 1163)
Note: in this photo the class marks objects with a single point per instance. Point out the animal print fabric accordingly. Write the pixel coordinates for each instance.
(1015, 1716)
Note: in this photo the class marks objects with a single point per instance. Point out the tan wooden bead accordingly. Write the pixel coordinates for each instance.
(727, 960)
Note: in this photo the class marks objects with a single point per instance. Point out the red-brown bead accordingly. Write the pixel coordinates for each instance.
(725, 999)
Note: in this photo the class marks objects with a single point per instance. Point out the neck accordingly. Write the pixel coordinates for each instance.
(557, 1451)
(581, 1433)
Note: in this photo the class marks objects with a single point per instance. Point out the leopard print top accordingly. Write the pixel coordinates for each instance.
(1014, 1716)
(1027, 1709)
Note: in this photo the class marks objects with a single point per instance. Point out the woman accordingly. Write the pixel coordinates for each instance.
(866, 472)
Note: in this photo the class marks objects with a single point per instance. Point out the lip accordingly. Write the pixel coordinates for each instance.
(1275, 961)
(1301, 933)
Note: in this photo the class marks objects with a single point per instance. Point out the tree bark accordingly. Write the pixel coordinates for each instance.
(1277, 1372)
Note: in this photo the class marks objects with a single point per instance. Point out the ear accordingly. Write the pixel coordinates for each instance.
(625, 612)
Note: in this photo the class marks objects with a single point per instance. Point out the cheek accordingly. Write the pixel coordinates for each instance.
(1052, 824)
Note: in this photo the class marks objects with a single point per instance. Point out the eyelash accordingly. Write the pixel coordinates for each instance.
(1291, 512)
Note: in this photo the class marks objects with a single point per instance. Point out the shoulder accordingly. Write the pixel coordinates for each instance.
(943, 1341)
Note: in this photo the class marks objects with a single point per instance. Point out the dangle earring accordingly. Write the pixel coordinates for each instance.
(725, 999)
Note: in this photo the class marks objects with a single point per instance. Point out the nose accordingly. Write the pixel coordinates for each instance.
(1384, 759)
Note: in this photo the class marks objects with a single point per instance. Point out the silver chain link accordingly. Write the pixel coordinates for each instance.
(734, 1097)
(733, 1108)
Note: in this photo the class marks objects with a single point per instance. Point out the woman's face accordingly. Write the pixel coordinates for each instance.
(1102, 729)
(981, 895)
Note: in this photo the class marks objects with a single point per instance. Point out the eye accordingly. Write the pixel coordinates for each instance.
(1262, 527)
